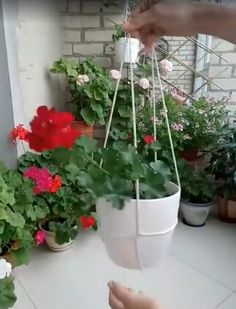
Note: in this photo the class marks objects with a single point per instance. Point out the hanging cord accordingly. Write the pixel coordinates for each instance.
(167, 121)
(154, 101)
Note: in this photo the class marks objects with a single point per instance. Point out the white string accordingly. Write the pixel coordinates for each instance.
(154, 101)
(167, 120)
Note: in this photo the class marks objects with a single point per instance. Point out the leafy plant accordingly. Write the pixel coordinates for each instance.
(73, 199)
(89, 87)
(223, 164)
(18, 216)
(7, 295)
(119, 33)
(196, 188)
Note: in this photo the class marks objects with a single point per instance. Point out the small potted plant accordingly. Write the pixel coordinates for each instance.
(126, 49)
(223, 167)
(7, 294)
(196, 196)
(89, 87)
(58, 188)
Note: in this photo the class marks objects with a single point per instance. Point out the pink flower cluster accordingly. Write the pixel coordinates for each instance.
(44, 181)
(115, 75)
(82, 79)
(177, 127)
(166, 66)
(144, 83)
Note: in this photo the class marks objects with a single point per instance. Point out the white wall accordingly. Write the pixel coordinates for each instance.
(39, 44)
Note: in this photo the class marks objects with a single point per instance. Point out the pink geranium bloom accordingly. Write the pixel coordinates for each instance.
(39, 237)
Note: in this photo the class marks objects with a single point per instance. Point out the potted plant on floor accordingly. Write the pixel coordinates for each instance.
(126, 49)
(196, 197)
(68, 202)
(89, 86)
(7, 294)
(223, 167)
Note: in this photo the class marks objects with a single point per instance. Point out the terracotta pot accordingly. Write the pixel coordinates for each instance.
(189, 155)
(83, 128)
(227, 210)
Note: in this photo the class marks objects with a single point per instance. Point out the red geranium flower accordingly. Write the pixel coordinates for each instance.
(51, 129)
(148, 139)
(56, 184)
(87, 222)
(18, 133)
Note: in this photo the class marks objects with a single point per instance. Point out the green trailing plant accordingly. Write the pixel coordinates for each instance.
(89, 86)
(119, 33)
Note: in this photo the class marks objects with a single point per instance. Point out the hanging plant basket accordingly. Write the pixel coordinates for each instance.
(127, 50)
(83, 128)
(138, 236)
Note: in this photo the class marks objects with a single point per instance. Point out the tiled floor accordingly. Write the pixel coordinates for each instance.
(198, 273)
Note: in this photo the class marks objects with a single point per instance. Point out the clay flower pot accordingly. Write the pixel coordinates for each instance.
(83, 128)
(189, 155)
(227, 210)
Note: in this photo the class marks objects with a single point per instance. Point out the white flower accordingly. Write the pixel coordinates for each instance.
(200, 111)
(114, 74)
(187, 137)
(82, 79)
(5, 269)
(166, 66)
(144, 83)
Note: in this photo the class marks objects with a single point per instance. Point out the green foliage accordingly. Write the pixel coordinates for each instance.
(7, 295)
(119, 33)
(65, 231)
(223, 164)
(16, 222)
(90, 101)
(196, 188)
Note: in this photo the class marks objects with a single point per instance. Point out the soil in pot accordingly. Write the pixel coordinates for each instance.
(195, 213)
(227, 209)
(83, 128)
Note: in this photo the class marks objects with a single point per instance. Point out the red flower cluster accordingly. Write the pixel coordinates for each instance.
(87, 222)
(44, 181)
(19, 133)
(51, 129)
(148, 139)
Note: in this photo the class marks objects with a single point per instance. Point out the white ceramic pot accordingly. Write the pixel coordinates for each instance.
(126, 50)
(138, 236)
(195, 214)
(51, 242)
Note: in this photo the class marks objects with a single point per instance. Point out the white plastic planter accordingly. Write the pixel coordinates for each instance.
(195, 214)
(126, 50)
(137, 237)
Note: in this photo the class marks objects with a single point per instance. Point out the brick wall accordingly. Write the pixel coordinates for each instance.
(87, 31)
(224, 73)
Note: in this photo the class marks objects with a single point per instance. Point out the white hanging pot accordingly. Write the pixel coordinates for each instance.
(126, 50)
(138, 236)
(195, 214)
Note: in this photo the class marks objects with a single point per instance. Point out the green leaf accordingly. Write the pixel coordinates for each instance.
(89, 92)
(98, 95)
(15, 219)
(61, 155)
(84, 179)
(125, 111)
(97, 108)
(7, 295)
(89, 145)
(21, 256)
(2, 226)
(160, 167)
(88, 115)
(156, 146)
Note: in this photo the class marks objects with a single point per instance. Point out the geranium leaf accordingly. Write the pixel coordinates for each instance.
(88, 115)
(7, 295)
(160, 167)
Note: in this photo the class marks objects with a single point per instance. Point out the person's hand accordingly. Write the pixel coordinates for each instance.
(123, 298)
(153, 19)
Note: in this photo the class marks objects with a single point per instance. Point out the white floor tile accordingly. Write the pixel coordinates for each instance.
(230, 303)
(210, 249)
(77, 279)
(23, 301)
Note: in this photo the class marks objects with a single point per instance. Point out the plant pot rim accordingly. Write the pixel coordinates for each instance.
(124, 40)
(41, 223)
(197, 204)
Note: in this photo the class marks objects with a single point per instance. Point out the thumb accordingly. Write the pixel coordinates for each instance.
(139, 21)
(121, 293)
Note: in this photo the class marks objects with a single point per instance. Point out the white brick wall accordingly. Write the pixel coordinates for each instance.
(87, 31)
(223, 72)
